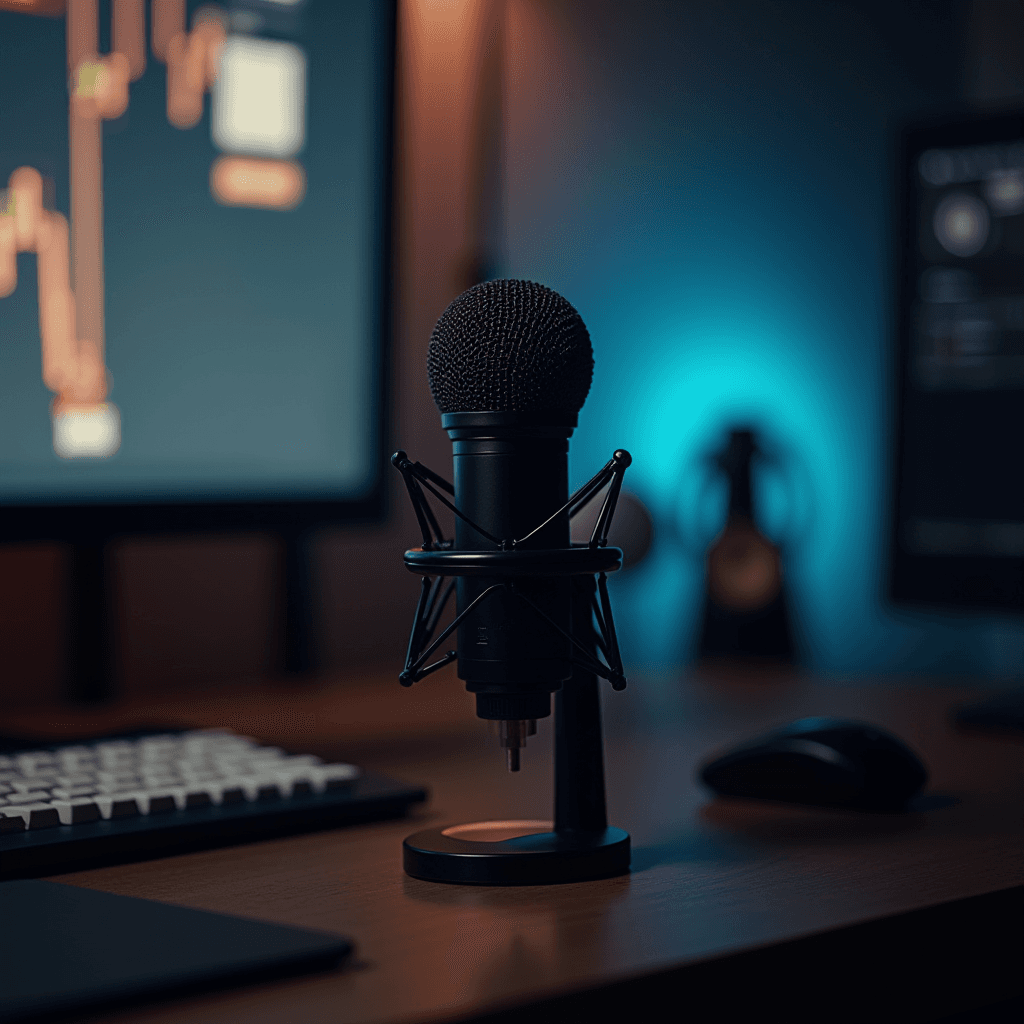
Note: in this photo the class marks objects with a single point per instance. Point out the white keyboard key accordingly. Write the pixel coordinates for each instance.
(34, 815)
(301, 760)
(82, 750)
(77, 779)
(40, 780)
(108, 746)
(117, 755)
(292, 784)
(30, 796)
(74, 760)
(227, 792)
(156, 802)
(75, 812)
(126, 785)
(258, 787)
(113, 774)
(121, 778)
(123, 805)
(333, 776)
(191, 796)
(200, 778)
(217, 738)
(29, 762)
(266, 753)
(161, 753)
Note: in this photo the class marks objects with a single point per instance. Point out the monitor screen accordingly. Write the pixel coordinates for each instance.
(193, 261)
(959, 523)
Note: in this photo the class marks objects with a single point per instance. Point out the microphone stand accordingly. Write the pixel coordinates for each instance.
(579, 747)
(579, 845)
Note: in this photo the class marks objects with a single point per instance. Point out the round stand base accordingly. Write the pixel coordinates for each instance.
(514, 853)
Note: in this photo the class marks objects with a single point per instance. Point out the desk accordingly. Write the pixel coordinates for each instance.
(730, 905)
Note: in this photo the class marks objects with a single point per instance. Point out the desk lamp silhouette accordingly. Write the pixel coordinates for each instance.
(510, 364)
(746, 613)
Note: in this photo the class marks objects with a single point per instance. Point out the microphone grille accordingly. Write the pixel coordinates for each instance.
(510, 346)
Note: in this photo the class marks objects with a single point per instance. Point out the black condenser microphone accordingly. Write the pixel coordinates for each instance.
(510, 364)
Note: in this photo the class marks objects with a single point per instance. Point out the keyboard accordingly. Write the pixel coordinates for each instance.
(74, 805)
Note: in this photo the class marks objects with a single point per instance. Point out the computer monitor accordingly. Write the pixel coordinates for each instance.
(194, 279)
(958, 535)
(226, 179)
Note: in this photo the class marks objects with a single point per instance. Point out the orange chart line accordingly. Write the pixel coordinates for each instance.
(70, 262)
(72, 369)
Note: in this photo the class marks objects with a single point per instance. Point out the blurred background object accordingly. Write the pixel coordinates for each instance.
(745, 613)
(713, 186)
(958, 531)
(632, 529)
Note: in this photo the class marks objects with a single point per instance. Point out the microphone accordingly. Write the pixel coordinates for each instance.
(510, 364)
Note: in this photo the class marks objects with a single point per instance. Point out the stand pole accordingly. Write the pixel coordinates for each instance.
(581, 846)
(579, 744)
(297, 587)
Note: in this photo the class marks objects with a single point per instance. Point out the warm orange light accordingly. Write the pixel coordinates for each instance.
(72, 369)
(102, 86)
(82, 33)
(497, 831)
(46, 8)
(128, 31)
(192, 60)
(246, 181)
(168, 21)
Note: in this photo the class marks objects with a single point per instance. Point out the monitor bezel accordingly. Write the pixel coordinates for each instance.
(92, 521)
(938, 581)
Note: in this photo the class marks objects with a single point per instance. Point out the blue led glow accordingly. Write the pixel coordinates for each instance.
(726, 233)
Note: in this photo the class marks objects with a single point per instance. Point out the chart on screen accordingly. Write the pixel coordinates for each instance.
(258, 123)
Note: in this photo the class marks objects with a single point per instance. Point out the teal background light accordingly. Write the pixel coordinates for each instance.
(720, 209)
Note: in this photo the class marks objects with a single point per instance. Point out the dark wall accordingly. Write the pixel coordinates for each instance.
(709, 183)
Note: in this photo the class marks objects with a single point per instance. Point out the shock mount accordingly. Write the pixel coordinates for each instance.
(579, 844)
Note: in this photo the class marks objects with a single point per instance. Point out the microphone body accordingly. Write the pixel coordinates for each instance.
(510, 476)
(510, 364)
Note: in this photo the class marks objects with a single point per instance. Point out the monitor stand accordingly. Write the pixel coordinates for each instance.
(296, 583)
(91, 602)
(89, 633)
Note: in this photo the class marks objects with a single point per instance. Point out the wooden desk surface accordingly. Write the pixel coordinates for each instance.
(709, 879)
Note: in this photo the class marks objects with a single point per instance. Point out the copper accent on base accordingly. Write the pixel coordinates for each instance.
(497, 831)
(530, 858)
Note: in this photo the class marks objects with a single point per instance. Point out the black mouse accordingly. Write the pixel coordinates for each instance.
(824, 761)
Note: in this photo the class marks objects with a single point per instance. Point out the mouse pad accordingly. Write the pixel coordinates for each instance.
(64, 949)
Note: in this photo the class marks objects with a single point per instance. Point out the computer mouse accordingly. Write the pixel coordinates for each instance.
(825, 761)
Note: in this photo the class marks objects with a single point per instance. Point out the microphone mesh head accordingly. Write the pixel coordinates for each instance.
(510, 346)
